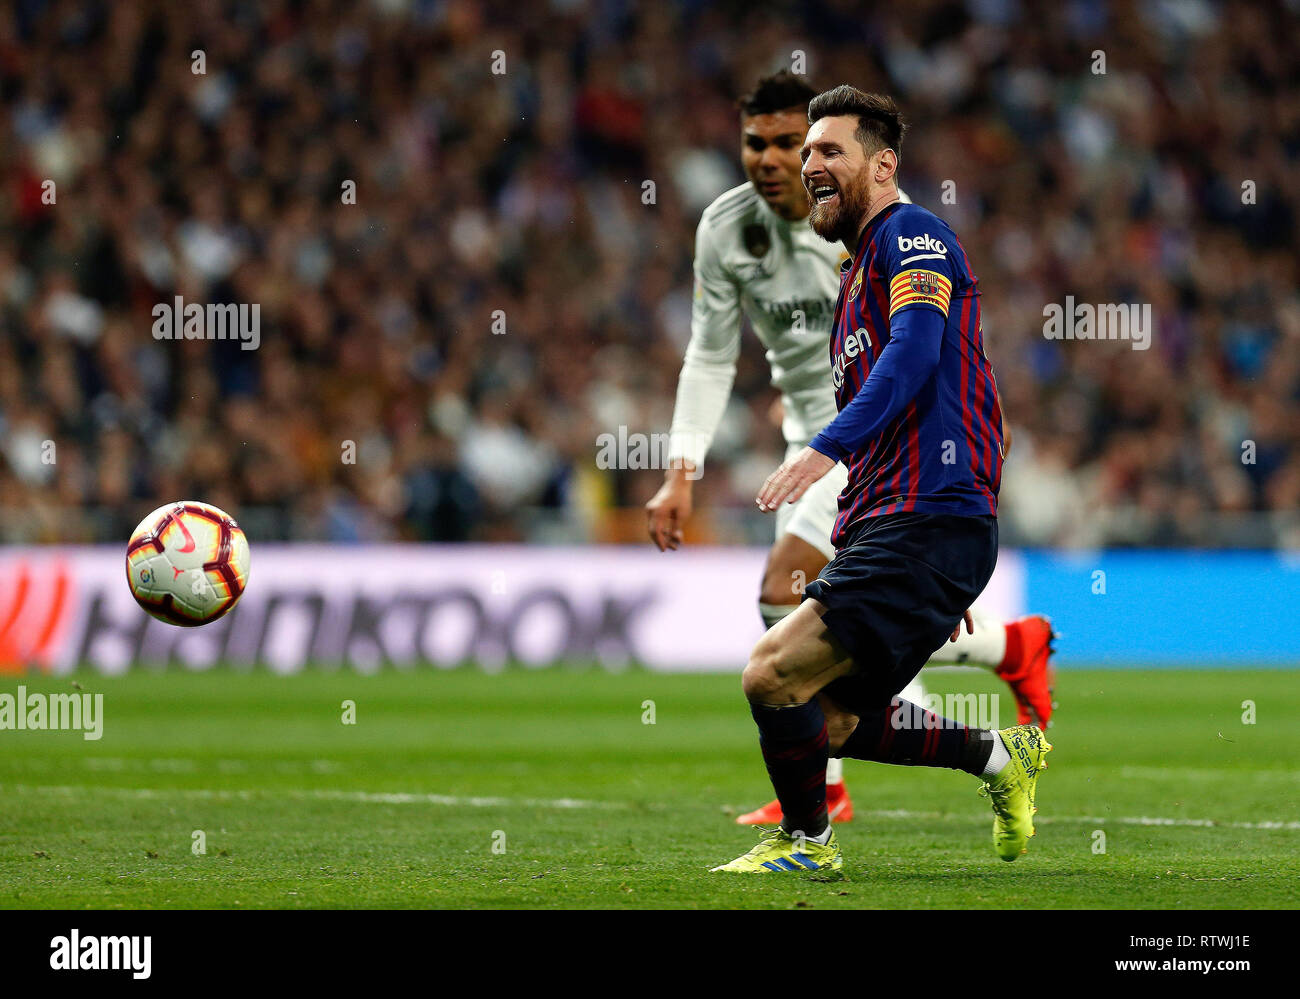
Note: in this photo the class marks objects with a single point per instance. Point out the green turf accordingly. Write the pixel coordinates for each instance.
(263, 765)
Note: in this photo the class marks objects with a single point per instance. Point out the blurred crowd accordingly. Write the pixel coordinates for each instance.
(464, 279)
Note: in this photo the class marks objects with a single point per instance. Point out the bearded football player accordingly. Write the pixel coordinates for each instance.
(916, 538)
(757, 256)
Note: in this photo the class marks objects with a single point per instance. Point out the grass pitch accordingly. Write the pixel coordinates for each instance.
(548, 789)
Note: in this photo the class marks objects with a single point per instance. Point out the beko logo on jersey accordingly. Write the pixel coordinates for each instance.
(855, 343)
(924, 243)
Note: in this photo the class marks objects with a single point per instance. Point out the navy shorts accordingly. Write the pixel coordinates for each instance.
(894, 593)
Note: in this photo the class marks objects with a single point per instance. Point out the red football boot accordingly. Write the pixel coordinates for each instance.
(1027, 668)
(839, 808)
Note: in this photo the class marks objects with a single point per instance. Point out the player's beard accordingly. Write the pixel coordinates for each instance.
(839, 223)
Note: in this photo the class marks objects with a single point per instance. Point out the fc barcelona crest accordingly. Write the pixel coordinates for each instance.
(856, 286)
(923, 283)
(757, 241)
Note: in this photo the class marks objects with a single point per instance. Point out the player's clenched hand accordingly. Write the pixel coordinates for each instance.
(970, 627)
(668, 510)
(793, 478)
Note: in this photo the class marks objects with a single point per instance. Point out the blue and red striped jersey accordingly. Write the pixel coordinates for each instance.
(925, 433)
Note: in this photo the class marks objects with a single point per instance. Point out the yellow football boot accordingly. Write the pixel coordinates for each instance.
(1012, 791)
(779, 851)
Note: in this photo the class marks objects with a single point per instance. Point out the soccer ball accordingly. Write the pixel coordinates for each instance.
(187, 563)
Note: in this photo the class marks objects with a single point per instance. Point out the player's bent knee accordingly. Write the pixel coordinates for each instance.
(761, 685)
(762, 681)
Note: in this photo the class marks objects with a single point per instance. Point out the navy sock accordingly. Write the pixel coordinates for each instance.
(793, 740)
(910, 736)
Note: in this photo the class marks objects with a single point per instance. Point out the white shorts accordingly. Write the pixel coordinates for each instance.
(813, 517)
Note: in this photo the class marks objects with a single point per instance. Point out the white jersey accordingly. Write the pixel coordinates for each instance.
(785, 278)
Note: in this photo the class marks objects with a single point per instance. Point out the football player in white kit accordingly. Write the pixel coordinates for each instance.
(756, 254)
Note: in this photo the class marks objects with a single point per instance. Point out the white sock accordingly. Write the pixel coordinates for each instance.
(834, 771)
(985, 647)
(773, 614)
(998, 759)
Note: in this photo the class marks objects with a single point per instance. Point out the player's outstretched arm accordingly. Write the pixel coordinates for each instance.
(909, 358)
(906, 363)
(703, 388)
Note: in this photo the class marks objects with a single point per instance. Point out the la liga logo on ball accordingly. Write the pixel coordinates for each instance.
(187, 563)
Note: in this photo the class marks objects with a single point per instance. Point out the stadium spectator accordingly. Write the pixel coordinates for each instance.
(505, 286)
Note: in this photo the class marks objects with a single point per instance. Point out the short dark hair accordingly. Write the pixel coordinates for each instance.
(880, 123)
(778, 92)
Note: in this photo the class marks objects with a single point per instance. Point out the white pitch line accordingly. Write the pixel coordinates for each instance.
(1149, 820)
(360, 797)
(1097, 820)
(460, 801)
